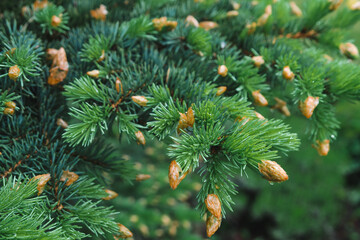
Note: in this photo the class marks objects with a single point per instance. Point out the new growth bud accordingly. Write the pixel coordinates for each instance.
(213, 204)
(191, 20)
(323, 147)
(93, 73)
(308, 106)
(288, 74)
(212, 224)
(14, 72)
(222, 70)
(111, 195)
(141, 100)
(295, 9)
(69, 177)
(349, 50)
(258, 61)
(208, 25)
(259, 99)
(272, 171)
(55, 21)
(221, 90)
(43, 179)
(140, 139)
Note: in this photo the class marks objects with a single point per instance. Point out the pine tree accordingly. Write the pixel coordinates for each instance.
(190, 74)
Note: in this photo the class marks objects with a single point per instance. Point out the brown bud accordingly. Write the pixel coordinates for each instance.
(288, 74)
(55, 21)
(213, 204)
(25, 11)
(191, 20)
(251, 28)
(349, 50)
(254, 3)
(235, 5)
(258, 61)
(222, 70)
(174, 174)
(212, 224)
(259, 99)
(59, 67)
(140, 139)
(111, 195)
(10, 104)
(40, 4)
(171, 24)
(69, 177)
(51, 53)
(272, 171)
(239, 119)
(220, 90)
(281, 106)
(263, 19)
(268, 9)
(159, 23)
(190, 116)
(142, 177)
(10, 52)
(208, 25)
(258, 115)
(232, 13)
(102, 56)
(182, 122)
(328, 58)
(323, 147)
(141, 100)
(295, 9)
(99, 13)
(355, 6)
(93, 73)
(308, 106)
(335, 4)
(44, 178)
(118, 85)
(9, 111)
(124, 231)
(186, 120)
(14, 72)
(60, 122)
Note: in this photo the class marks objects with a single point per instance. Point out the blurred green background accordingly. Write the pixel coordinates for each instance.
(320, 201)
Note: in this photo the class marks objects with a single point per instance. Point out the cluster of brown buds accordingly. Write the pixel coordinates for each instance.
(160, 23)
(59, 67)
(186, 120)
(14, 72)
(99, 13)
(10, 108)
(213, 220)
